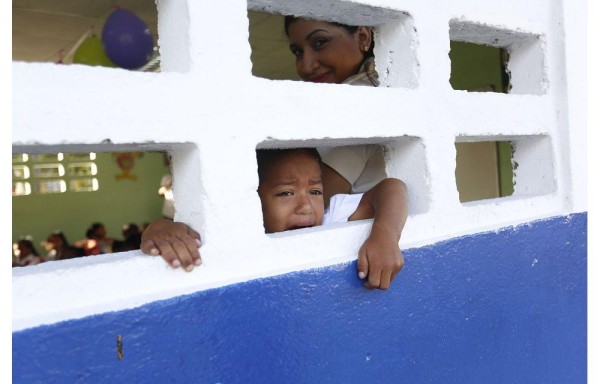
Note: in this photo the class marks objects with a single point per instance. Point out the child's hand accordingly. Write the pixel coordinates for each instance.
(380, 258)
(176, 242)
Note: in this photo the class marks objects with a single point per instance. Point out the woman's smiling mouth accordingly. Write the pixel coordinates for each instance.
(319, 78)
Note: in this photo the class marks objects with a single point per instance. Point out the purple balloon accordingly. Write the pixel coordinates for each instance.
(127, 40)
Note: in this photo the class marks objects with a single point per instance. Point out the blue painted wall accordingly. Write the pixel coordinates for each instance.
(499, 307)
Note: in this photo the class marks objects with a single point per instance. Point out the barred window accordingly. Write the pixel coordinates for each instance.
(54, 173)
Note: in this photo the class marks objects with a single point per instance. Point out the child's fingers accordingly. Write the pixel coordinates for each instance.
(362, 264)
(398, 266)
(149, 248)
(191, 244)
(194, 247)
(168, 253)
(193, 233)
(385, 281)
(374, 278)
(182, 253)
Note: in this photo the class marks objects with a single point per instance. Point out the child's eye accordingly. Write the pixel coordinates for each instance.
(316, 192)
(284, 194)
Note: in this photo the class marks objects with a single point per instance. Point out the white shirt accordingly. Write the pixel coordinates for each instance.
(341, 207)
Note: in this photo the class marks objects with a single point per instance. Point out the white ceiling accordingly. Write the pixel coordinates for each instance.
(46, 30)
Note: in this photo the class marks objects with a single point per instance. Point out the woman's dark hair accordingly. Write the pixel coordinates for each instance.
(267, 157)
(350, 28)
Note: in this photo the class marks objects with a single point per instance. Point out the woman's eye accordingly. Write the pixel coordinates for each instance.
(296, 51)
(319, 43)
(316, 192)
(284, 194)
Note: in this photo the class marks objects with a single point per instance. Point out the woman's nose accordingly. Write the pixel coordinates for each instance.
(309, 62)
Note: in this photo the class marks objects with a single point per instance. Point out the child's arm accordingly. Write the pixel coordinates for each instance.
(380, 258)
(176, 242)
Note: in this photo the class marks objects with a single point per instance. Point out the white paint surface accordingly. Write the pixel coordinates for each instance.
(210, 112)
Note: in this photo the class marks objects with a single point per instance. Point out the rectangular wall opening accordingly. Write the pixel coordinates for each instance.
(393, 34)
(478, 68)
(401, 157)
(66, 190)
(520, 166)
(67, 32)
(484, 170)
(489, 59)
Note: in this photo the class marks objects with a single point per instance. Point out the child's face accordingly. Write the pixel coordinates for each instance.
(291, 193)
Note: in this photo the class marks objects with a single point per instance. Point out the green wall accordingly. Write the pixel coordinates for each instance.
(116, 202)
(475, 67)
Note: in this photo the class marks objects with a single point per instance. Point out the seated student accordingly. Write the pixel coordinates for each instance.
(59, 248)
(291, 194)
(97, 232)
(26, 254)
(132, 237)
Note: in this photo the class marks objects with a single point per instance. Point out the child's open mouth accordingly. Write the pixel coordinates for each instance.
(299, 227)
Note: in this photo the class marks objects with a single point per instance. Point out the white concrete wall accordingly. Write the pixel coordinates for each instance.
(210, 113)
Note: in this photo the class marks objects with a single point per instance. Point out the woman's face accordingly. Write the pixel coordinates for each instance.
(327, 53)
